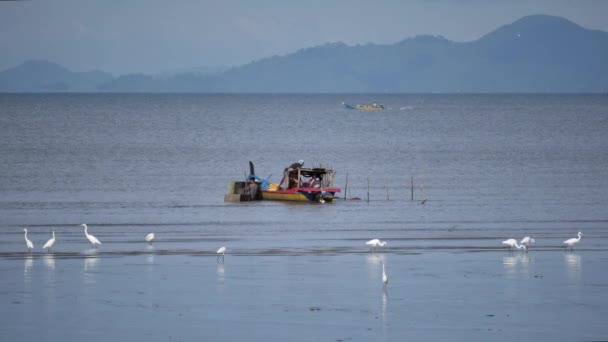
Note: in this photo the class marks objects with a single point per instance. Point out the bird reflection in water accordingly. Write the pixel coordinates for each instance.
(512, 262)
(89, 263)
(220, 272)
(49, 261)
(374, 259)
(28, 263)
(384, 302)
(573, 261)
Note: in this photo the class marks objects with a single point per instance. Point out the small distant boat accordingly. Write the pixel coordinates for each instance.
(373, 106)
(299, 184)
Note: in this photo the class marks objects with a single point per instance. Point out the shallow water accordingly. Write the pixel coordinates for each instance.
(489, 167)
(493, 295)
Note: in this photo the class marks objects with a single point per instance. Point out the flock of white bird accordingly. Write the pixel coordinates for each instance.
(512, 243)
(527, 241)
(95, 241)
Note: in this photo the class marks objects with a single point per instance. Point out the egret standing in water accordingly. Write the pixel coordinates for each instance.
(149, 238)
(28, 243)
(512, 243)
(527, 241)
(384, 276)
(221, 253)
(49, 244)
(374, 243)
(92, 239)
(573, 241)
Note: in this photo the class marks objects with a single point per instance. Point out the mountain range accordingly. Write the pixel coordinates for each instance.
(537, 53)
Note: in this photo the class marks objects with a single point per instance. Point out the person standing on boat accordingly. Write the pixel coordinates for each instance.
(253, 189)
(291, 167)
(296, 165)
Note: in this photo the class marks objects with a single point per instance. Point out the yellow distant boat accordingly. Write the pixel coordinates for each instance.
(373, 106)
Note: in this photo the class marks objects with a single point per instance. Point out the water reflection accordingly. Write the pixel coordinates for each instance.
(89, 263)
(384, 302)
(49, 261)
(573, 265)
(375, 259)
(512, 263)
(28, 263)
(220, 272)
(374, 265)
(150, 261)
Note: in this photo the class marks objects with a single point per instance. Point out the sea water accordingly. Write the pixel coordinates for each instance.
(484, 168)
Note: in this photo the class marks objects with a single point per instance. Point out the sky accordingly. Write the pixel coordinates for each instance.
(157, 36)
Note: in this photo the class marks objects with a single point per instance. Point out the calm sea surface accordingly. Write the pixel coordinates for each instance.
(485, 168)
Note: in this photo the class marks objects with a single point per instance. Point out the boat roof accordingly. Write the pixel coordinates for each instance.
(312, 172)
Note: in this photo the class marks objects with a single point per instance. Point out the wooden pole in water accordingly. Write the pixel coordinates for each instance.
(346, 186)
(368, 189)
(412, 186)
(422, 189)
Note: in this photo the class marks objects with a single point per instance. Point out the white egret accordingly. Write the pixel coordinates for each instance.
(221, 253)
(28, 243)
(527, 241)
(374, 243)
(149, 238)
(92, 239)
(49, 244)
(384, 276)
(572, 241)
(512, 243)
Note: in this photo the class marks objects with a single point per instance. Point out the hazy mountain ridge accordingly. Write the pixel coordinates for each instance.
(44, 76)
(534, 54)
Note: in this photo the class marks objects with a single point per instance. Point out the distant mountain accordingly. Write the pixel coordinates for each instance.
(537, 53)
(199, 71)
(534, 54)
(44, 76)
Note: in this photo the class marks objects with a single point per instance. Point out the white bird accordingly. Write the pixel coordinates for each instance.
(512, 243)
(374, 243)
(92, 239)
(149, 238)
(569, 242)
(49, 244)
(221, 253)
(384, 276)
(527, 241)
(28, 243)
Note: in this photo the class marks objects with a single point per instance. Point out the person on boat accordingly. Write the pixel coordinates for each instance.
(296, 165)
(291, 167)
(293, 183)
(252, 189)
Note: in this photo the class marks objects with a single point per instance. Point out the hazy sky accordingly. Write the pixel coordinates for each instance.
(122, 36)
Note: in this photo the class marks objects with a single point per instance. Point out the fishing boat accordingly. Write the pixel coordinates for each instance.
(373, 106)
(299, 184)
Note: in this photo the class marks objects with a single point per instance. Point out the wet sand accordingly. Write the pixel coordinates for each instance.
(318, 295)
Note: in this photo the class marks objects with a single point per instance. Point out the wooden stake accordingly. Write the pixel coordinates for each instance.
(346, 186)
(368, 189)
(412, 186)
